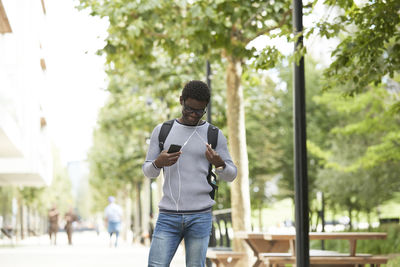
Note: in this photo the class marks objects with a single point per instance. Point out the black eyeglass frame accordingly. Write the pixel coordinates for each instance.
(198, 112)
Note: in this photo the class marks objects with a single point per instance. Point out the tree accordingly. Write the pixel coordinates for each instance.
(124, 125)
(262, 109)
(319, 123)
(358, 173)
(120, 147)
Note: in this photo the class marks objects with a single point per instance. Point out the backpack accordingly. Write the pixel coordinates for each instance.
(212, 139)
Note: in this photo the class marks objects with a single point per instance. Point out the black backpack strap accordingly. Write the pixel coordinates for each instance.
(212, 135)
(212, 180)
(212, 139)
(164, 131)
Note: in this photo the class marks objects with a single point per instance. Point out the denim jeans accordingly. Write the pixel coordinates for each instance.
(114, 227)
(170, 229)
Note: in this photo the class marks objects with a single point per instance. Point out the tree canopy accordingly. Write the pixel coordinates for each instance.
(369, 49)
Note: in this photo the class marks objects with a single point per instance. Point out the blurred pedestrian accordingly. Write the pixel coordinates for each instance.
(112, 216)
(53, 224)
(70, 217)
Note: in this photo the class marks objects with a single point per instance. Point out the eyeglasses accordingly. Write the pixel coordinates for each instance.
(198, 112)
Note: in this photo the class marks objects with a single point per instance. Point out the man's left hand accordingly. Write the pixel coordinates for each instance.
(213, 157)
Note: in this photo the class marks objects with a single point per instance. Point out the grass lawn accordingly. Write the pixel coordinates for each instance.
(275, 215)
(391, 208)
(394, 262)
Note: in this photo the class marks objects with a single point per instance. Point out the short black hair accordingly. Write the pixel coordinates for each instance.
(197, 90)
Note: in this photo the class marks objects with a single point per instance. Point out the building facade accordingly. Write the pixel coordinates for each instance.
(25, 149)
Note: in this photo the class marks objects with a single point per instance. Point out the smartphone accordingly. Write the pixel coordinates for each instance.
(174, 148)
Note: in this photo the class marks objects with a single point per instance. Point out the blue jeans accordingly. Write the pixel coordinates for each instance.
(114, 227)
(170, 229)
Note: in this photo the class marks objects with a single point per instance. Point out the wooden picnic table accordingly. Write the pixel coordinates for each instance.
(223, 258)
(283, 243)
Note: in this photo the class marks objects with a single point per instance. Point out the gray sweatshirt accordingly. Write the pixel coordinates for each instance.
(185, 188)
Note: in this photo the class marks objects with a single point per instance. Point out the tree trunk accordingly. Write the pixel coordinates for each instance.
(240, 195)
(351, 218)
(137, 219)
(21, 218)
(369, 219)
(28, 221)
(145, 211)
(127, 213)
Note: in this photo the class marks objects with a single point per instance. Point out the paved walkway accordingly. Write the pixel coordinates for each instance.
(89, 250)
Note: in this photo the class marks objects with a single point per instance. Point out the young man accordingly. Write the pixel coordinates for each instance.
(185, 208)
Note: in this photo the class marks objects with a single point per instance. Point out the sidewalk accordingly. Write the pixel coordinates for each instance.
(89, 250)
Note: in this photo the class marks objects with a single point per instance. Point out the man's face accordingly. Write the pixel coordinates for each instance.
(192, 110)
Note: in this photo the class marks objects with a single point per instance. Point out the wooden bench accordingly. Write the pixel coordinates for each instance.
(224, 258)
(220, 241)
(278, 259)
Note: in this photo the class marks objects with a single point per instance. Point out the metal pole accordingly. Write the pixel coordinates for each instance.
(208, 78)
(300, 149)
(323, 219)
(212, 242)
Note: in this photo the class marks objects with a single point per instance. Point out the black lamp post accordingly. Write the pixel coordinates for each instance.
(213, 241)
(208, 78)
(300, 149)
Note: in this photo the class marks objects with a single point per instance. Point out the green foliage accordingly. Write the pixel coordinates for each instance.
(261, 106)
(119, 144)
(393, 262)
(369, 115)
(32, 196)
(370, 49)
(360, 165)
(268, 58)
(202, 27)
(6, 195)
(319, 123)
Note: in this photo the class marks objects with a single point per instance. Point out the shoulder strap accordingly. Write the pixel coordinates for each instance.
(212, 139)
(164, 131)
(212, 135)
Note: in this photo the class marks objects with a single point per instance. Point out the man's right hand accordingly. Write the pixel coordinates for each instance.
(167, 159)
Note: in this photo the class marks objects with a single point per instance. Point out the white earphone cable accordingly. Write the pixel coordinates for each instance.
(179, 173)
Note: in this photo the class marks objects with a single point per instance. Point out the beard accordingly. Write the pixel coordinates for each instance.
(190, 120)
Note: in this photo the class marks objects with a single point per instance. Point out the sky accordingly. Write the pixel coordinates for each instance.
(75, 77)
